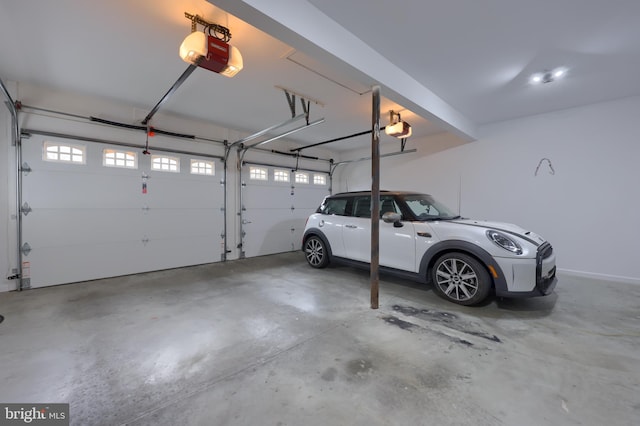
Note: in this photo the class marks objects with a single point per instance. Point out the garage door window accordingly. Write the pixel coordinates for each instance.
(165, 164)
(319, 179)
(302, 177)
(258, 173)
(280, 175)
(123, 159)
(64, 153)
(202, 167)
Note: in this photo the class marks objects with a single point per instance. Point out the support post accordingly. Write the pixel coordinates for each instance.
(375, 196)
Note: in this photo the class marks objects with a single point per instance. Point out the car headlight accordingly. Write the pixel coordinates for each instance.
(503, 241)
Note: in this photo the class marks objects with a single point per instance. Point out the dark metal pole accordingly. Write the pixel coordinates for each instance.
(191, 68)
(375, 197)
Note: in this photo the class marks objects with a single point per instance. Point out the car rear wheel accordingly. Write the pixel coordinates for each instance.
(460, 279)
(316, 252)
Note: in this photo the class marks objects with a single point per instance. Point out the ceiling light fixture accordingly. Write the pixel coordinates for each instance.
(210, 49)
(397, 127)
(548, 76)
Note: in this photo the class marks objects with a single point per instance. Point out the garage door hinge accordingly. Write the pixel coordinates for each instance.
(25, 249)
(26, 169)
(145, 240)
(222, 209)
(293, 208)
(26, 209)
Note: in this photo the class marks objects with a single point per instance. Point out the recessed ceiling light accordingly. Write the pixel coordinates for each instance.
(548, 76)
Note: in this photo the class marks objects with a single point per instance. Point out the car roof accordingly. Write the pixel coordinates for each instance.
(384, 192)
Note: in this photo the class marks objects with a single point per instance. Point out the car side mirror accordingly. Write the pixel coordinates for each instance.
(392, 217)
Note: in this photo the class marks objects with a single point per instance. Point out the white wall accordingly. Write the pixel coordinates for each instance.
(84, 106)
(588, 209)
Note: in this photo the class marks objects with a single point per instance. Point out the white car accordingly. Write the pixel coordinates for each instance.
(423, 240)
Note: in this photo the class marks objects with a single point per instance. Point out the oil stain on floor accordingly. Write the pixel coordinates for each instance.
(442, 318)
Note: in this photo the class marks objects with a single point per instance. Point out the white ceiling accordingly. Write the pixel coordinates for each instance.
(449, 65)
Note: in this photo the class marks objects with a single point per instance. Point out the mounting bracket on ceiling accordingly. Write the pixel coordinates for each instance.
(304, 100)
(216, 30)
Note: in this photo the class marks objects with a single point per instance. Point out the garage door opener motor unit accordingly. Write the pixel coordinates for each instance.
(210, 49)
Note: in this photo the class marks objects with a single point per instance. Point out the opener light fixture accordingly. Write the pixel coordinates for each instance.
(548, 76)
(397, 127)
(210, 48)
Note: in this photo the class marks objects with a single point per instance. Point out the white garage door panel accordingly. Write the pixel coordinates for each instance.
(258, 196)
(268, 231)
(175, 191)
(307, 199)
(274, 226)
(64, 227)
(54, 188)
(310, 196)
(89, 221)
(164, 253)
(192, 223)
(68, 264)
(267, 216)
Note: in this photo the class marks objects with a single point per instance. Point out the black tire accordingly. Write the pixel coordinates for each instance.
(316, 252)
(460, 279)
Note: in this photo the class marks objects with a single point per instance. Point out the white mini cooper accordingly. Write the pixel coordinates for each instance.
(421, 239)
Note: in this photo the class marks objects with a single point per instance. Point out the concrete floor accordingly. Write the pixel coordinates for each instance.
(271, 341)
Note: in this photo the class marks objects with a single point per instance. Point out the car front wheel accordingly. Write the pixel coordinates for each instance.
(316, 252)
(460, 279)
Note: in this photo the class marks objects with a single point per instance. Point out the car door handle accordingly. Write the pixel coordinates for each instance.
(351, 226)
(424, 234)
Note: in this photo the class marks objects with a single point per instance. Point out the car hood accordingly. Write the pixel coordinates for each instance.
(509, 228)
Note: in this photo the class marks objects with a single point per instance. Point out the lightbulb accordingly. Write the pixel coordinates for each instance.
(536, 78)
(559, 72)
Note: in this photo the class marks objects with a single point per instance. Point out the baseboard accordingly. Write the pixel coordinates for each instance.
(594, 275)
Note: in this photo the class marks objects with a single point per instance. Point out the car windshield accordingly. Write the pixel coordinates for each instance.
(425, 207)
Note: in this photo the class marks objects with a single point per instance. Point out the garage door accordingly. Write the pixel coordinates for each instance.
(95, 210)
(276, 204)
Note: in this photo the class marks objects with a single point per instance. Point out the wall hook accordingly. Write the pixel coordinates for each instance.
(551, 169)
